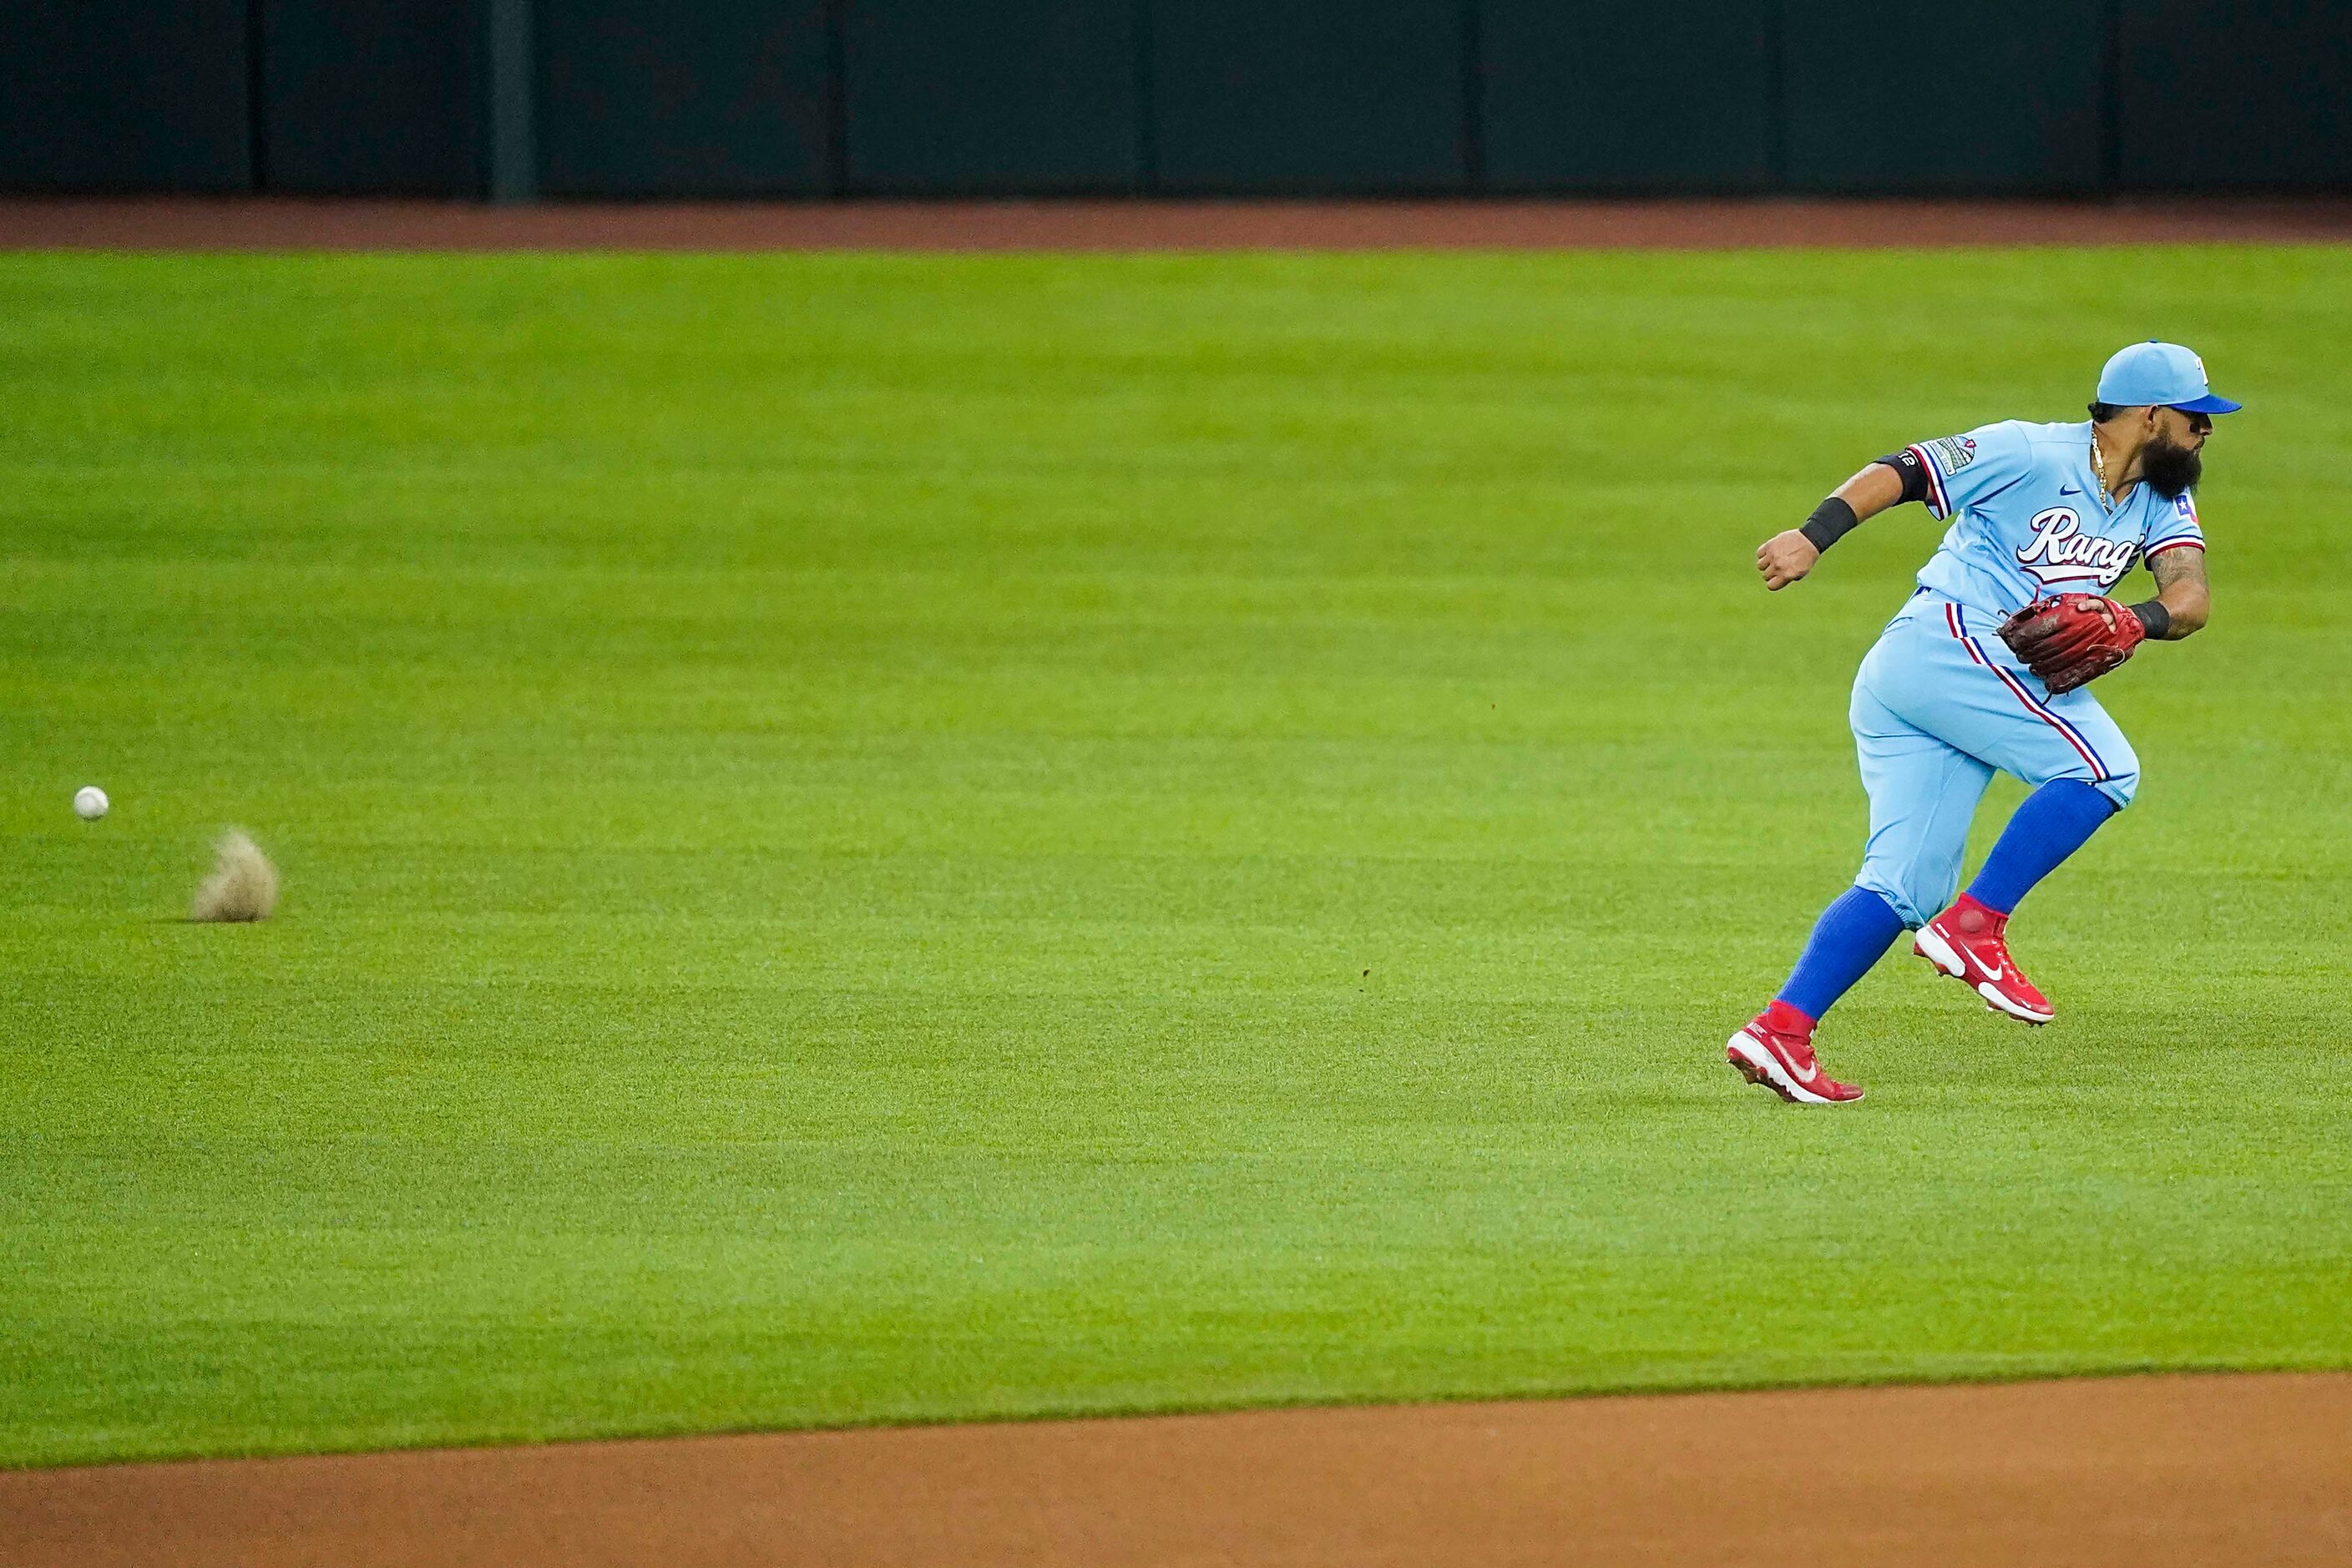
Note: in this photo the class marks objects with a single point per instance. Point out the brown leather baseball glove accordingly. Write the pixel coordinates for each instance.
(2073, 639)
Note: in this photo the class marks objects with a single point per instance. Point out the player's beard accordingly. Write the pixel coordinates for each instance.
(2168, 466)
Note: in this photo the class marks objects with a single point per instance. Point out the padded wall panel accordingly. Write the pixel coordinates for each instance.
(1998, 96)
(372, 97)
(684, 98)
(2255, 95)
(124, 95)
(1592, 94)
(945, 97)
(1307, 96)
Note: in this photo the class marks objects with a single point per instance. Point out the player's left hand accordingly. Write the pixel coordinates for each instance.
(2073, 639)
(1785, 557)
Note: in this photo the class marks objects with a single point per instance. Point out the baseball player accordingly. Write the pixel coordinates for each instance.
(1984, 669)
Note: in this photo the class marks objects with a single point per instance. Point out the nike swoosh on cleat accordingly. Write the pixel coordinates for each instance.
(1802, 1075)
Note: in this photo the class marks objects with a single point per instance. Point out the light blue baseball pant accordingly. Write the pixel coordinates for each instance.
(1939, 705)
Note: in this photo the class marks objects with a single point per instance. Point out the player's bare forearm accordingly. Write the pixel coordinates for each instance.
(1871, 491)
(1786, 557)
(2181, 589)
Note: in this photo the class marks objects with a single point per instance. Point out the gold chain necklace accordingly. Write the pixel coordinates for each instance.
(2099, 466)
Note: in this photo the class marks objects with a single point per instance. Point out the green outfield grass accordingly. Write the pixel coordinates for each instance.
(893, 838)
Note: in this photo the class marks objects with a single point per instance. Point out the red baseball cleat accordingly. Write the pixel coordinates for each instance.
(1775, 1050)
(1970, 943)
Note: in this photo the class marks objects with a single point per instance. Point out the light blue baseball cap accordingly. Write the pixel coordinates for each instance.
(2153, 372)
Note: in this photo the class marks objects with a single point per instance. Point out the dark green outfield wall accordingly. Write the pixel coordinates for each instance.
(1991, 97)
(684, 98)
(368, 95)
(1581, 96)
(816, 97)
(2237, 94)
(1300, 96)
(114, 95)
(1008, 97)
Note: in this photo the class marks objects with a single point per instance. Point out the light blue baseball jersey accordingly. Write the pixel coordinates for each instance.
(2027, 521)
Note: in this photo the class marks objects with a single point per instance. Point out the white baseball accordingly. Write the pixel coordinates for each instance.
(89, 802)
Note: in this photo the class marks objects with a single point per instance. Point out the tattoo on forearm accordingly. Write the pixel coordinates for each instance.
(2171, 568)
(2177, 567)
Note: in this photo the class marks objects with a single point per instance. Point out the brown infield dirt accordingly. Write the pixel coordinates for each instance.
(2130, 1472)
(281, 224)
(2159, 1470)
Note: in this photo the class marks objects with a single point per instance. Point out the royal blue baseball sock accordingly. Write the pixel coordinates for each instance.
(2055, 820)
(1853, 934)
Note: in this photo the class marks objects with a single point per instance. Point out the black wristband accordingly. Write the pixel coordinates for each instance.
(2154, 616)
(1831, 520)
